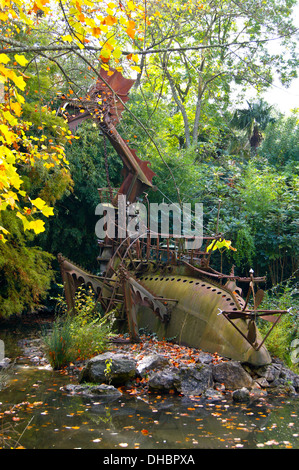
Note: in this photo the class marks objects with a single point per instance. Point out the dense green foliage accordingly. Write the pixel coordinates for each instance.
(25, 271)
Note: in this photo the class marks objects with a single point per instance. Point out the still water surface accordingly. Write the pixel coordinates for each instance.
(49, 418)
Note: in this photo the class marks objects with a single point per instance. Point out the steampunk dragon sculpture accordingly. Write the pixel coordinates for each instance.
(157, 286)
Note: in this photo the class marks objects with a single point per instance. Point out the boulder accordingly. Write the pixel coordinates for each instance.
(153, 361)
(186, 380)
(232, 375)
(241, 395)
(275, 375)
(164, 380)
(115, 369)
(269, 372)
(194, 380)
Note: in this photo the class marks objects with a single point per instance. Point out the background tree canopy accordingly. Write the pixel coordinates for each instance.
(188, 114)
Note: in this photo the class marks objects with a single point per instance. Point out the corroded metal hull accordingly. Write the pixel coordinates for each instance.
(195, 320)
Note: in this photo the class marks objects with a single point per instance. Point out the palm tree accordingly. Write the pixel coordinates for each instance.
(253, 120)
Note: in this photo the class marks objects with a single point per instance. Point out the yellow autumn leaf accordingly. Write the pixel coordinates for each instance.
(131, 29)
(16, 108)
(3, 16)
(20, 216)
(103, 28)
(4, 230)
(2, 238)
(9, 137)
(47, 211)
(17, 79)
(15, 180)
(117, 53)
(39, 203)
(4, 58)
(131, 5)
(67, 38)
(220, 244)
(123, 21)
(37, 226)
(18, 97)
(21, 59)
(136, 68)
(42, 206)
(12, 120)
(9, 155)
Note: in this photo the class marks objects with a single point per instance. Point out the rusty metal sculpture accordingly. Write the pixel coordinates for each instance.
(172, 293)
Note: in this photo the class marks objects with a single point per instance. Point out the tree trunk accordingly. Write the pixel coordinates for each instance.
(181, 108)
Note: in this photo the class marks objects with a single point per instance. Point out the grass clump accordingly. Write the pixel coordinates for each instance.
(81, 335)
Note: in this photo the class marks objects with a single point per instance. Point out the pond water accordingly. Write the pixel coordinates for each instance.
(45, 417)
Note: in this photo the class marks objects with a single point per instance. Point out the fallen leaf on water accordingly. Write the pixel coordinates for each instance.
(144, 432)
(272, 442)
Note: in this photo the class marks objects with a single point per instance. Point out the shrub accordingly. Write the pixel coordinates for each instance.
(280, 339)
(79, 336)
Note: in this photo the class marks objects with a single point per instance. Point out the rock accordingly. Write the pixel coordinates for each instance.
(232, 375)
(277, 376)
(258, 393)
(213, 394)
(270, 372)
(241, 395)
(219, 387)
(4, 364)
(102, 390)
(115, 369)
(164, 380)
(204, 358)
(262, 382)
(153, 361)
(194, 379)
(187, 380)
(290, 378)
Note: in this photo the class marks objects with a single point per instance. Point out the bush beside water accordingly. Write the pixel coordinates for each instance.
(285, 333)
(79, 335)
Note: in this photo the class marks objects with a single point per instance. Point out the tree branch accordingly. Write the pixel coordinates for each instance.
(18, 47)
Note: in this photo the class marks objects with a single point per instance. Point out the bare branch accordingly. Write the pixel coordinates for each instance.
(18, 47)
